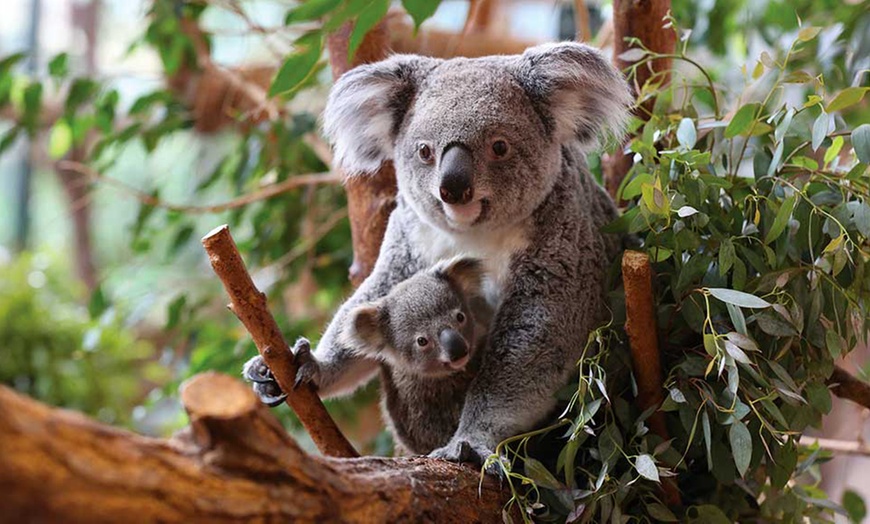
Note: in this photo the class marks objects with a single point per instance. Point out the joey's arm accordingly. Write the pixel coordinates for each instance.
(334, 367)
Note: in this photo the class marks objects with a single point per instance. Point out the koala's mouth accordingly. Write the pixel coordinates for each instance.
(457, 365)
(469, 214)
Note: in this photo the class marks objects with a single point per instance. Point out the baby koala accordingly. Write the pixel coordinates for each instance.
(425, 333)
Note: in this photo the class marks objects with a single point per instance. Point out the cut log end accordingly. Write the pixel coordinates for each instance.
(215, 395)
(223, 229)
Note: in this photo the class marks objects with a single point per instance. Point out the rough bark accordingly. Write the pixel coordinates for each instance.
(640, 324)
(249, 305)
(234, 464)
(370, 198)
(641, 19)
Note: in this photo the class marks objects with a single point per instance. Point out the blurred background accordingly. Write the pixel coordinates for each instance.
(120, 148)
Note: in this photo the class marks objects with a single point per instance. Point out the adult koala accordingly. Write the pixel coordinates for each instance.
(489, 161)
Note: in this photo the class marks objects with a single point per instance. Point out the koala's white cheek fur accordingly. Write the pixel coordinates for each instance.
(495, 249)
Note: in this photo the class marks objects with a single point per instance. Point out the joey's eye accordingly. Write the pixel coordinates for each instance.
(422, 341)
(425, 153)
(460, 317)
(500, 148)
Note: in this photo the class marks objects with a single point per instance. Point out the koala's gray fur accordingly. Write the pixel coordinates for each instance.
(424, 387)
(534, 220)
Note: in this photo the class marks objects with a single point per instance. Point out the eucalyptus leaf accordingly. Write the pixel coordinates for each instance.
(847, 98)
(420, 10)
(741, 446)
(299, 65)
(737, 318)
(742, 120)
(708, 438)
(646, 467)
(738, 298)
(686, 134)
(820, 130)
(727, 256)
(310, 10)
(540, 474)
(781, 219)
(861, 142)
(371, 15)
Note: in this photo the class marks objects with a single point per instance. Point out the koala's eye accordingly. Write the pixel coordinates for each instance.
(422, 341)
(500, 148)
(460, 317)
(425, 153)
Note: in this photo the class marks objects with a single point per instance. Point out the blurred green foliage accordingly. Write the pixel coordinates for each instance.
(54, 351)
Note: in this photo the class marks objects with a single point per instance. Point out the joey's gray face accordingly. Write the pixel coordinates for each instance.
(476, 142)
(429, 330)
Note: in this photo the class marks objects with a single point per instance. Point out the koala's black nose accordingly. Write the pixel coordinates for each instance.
(453, 345)
(457, 168)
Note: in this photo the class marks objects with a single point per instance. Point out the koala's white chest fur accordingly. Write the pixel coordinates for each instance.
(495, 249)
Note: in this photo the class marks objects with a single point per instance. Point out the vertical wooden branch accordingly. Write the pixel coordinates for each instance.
(643, 20)
(640, 323)
(249, 304)
(370, 198)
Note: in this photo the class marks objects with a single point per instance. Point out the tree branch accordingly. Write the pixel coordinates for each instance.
(840, 447)
(848, 387)
(633, 19)
(249, 305)
(234, 464)
(264, 193)
(370, 199)
(640, 324)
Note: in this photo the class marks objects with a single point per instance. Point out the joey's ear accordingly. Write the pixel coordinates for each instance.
(364, 332)
(465, 273)
(576, 91)
(366, 107)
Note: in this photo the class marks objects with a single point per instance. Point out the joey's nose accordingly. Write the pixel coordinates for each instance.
(457, 169)
(454, 346)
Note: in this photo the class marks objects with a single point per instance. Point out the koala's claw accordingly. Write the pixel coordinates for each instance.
(263, 382)
(463, 451)
(307, 367)
(268, 396)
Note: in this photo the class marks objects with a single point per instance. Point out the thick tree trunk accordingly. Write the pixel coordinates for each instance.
(234, 464)
(641, 19)
(370, 198)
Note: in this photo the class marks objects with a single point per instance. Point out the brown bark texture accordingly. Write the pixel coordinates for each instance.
(249, 305)
(235, 463)
(641, 19)
(640, 324)
(371, 197)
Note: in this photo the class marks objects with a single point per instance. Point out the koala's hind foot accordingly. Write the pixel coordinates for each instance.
(263, 381)
(465, 452)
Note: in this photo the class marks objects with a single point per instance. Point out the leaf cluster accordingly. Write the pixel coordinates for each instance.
(757, 221)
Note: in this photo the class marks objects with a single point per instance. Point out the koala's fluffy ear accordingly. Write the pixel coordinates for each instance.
(576, 90)
(364, 333)
(465, 273)
(366, 107)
